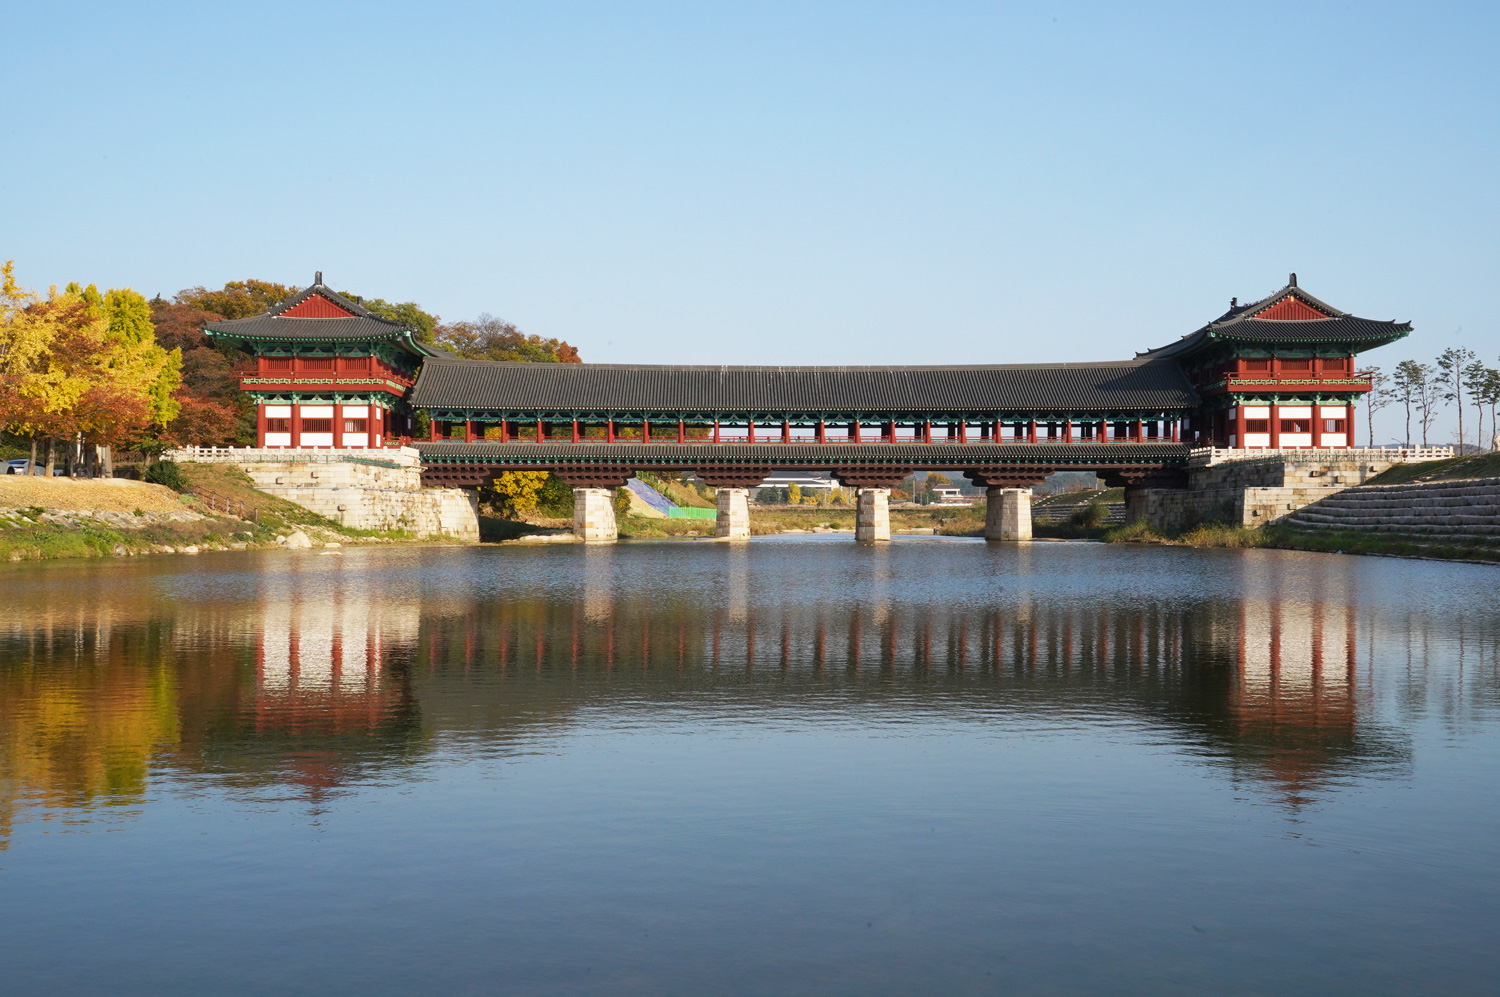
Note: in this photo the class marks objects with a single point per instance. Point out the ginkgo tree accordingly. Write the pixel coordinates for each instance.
(82, 366)
(37, 387)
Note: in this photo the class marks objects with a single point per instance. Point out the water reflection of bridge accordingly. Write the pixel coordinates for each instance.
(313, 685)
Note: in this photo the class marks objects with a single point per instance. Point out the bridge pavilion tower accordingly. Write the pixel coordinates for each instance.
(327, 372)
(1278, 373)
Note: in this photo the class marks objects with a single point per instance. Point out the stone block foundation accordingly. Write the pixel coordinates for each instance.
(1007, 514)
(733, 520)
(873, 518)
(594, 514)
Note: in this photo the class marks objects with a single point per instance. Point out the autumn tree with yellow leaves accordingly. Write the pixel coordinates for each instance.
(82, 367)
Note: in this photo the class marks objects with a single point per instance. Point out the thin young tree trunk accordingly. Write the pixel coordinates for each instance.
(1408, 423)
(51, 455)
(1460, 397)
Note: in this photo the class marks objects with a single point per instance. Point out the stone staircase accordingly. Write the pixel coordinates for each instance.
(1054, 513)
(1464, 512)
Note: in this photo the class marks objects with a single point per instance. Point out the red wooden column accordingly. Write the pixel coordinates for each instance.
(1275, 425)
(1068, 430)
(926, 430)
(855, 427)
(716, 430)
(575, 430)
(1033, 431)
(338, 426)
(821, 437)
(609, 430)
(645, 430)
(468, 430)
(890, 429)
(260, 425)
(786, 431)
(963, 431)
(681, 431)
(1317, 425)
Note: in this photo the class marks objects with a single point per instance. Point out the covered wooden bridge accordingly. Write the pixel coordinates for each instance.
(1272, 374)
(1005, 427)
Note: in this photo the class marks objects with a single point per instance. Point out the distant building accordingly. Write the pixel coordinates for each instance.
(806, 482)
(952, 496)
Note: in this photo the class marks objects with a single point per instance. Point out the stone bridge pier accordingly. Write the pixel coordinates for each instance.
(1007, 514)
(1007, 499)
(872, 486)
(594, 514)
(733, 494)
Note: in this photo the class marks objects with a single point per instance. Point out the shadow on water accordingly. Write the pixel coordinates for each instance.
(291, 677)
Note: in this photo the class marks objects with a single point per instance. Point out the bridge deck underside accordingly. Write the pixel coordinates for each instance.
(854, 465)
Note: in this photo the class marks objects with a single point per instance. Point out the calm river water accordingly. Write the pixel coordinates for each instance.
(791, 766)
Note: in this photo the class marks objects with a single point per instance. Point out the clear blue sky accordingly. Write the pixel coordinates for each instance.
(773, 183)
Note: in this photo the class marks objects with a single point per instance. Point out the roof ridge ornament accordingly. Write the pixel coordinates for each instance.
(1291, 280)
(318, 278)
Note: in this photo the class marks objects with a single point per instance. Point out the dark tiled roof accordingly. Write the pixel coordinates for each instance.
(324, 291)
(936, 455)
(301, 329)
(447, 383)
(1239, 325)
(363, 326)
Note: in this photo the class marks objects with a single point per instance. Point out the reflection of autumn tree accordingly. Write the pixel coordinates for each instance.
(82, 735)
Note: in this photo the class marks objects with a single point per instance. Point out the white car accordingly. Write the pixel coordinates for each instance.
(23, 466)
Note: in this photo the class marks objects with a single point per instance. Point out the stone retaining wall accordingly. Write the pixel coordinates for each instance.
(1256, 491)
(361, 489)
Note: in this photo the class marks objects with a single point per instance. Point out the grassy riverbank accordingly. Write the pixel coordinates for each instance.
(1452, 469)
(1207, 535)
(48, 518)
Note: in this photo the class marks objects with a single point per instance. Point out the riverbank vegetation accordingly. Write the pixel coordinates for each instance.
(46, 518)
(1278, 537)
(1451, 469)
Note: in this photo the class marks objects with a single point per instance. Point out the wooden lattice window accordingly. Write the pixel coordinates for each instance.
(1261, 365)
(317, 363)
(317, 425)
(276, 363)
(1296, 364)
